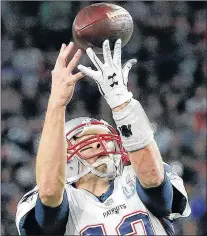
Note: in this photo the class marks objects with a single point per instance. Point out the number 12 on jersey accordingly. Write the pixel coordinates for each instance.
(136, 223)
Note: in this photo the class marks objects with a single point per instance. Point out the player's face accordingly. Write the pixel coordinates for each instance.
(90, 149)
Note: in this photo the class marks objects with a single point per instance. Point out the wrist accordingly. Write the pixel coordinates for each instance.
(118, 100)
(53, 104)
(121, 107)
(133, 125)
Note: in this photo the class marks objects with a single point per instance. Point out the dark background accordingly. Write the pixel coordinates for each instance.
(169, 41)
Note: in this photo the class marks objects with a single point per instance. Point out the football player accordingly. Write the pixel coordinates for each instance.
(110, 183)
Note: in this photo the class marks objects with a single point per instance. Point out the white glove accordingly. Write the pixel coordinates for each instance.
(111, 78)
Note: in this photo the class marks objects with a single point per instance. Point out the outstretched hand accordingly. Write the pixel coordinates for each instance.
(63, 81)
(110, 77)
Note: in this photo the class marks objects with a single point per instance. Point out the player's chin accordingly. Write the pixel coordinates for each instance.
(102, 168)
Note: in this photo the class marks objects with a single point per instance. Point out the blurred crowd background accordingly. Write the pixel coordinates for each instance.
(169, 41)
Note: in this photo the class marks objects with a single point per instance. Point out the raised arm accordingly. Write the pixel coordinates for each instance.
(161, 191)
(142, 148)
(130, 118)
(51, 156)
(148, 165)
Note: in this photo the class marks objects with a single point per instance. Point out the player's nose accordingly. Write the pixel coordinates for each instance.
(96, 145)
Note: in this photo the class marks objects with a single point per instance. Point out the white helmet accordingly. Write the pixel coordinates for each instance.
(108, 139)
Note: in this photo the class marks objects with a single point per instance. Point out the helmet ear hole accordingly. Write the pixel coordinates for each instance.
(72, 167)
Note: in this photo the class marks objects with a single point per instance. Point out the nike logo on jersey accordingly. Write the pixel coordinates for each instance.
(109, 202)
(114, 210)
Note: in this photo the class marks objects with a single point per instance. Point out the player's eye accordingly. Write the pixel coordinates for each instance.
(84, 149)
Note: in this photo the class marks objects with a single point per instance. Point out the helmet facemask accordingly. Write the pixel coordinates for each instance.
(110, 146)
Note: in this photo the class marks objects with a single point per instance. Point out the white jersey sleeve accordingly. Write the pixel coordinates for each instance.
(178, 184)
(25, 205)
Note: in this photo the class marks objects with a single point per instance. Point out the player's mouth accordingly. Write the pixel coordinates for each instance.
(94, 159)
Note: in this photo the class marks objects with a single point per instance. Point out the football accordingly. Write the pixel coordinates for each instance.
(101, 21)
